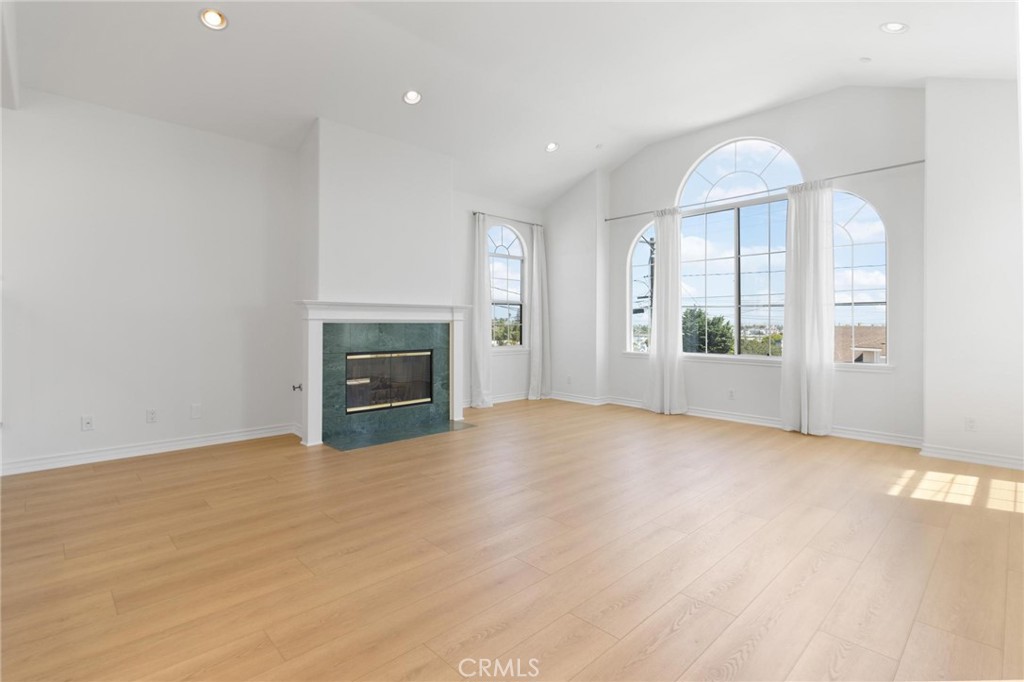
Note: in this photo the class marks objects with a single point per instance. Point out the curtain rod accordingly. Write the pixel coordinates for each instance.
(515, 220)
(776, 189)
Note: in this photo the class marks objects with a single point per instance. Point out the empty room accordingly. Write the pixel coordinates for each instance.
(586, 341)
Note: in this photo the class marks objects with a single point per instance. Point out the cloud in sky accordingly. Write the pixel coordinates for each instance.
(866, 228)
(707, 245)
(736, 185)
(738, 168)
(873, 296)
(506, 279)
(859, 278)
(755, 155)
(696, 248)
(856, 220)
(690, 295)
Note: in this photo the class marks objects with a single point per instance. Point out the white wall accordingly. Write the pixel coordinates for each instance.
(877, 400)
(151, 265)
(842, 131)
(510, 367)
(973, 266)
(602, 291)
(578, 286)
(385, 222)
(391, 229)
(307, 224)
(147, 265)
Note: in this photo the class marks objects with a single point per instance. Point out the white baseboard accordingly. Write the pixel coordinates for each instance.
(68, 459)
(568, 397)
(582, 399)
(838, 432)
(625, 402)
(508, 397)
(503, 398)
(877, 437)
(740, 417)
(989, 458)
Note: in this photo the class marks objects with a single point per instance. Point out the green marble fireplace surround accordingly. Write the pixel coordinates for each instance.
(360, 429)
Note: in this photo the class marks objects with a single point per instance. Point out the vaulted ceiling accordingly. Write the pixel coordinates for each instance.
(499, 80)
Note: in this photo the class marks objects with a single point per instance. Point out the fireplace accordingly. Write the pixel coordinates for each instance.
(335, 329)
(385, 380)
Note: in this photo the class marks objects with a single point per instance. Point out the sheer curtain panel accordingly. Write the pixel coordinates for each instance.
(480, 326)
(540, 346)
(665, 391)
(809, 315)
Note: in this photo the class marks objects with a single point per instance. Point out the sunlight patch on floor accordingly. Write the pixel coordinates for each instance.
(960, 489)
(943, 487)
(1006, 496)
(897, 488)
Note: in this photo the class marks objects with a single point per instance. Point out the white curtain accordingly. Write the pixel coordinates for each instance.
(665, 391)
(480, 323)
(809, 326)
(540, 346)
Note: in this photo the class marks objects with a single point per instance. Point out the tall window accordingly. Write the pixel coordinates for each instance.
(733, 249)
(641, 292)
(860, 262)
(506, 260)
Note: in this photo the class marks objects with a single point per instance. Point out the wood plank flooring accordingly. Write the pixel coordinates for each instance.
(553, 541)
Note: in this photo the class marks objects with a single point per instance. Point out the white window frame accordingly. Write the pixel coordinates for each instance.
(725, 205)
(522, 346)
(629, 289)
(870, 366)
(736, 257)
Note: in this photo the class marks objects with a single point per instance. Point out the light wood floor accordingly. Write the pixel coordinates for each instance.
(606, 543)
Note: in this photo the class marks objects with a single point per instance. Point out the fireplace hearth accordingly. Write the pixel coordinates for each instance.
(386, 380)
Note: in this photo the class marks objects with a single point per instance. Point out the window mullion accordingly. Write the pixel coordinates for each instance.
(738, 288)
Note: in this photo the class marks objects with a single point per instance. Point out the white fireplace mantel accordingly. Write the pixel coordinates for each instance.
(316, 313)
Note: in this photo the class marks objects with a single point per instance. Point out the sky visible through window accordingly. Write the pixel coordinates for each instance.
(859, 252)
(506, 269)
(641, 267)
(860, 261)
(733, 259)
(737, 169)
(737, 290)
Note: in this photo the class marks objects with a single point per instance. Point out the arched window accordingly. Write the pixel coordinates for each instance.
(506, 260)
(733, 248)
(860, 260)
(641, 290)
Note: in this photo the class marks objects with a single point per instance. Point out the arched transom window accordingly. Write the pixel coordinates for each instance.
(859, 250)
(505, 249)
(733, 249)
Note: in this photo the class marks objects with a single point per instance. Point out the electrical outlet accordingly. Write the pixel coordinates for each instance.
(87, 422)
(732, 394)
(970, 424)
(197, 411)
(150, 415)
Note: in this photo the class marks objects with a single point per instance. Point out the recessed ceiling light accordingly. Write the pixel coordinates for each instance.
(412, 97)
(894, 27)
(552, 147)
(211, 18)
(865, 60)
